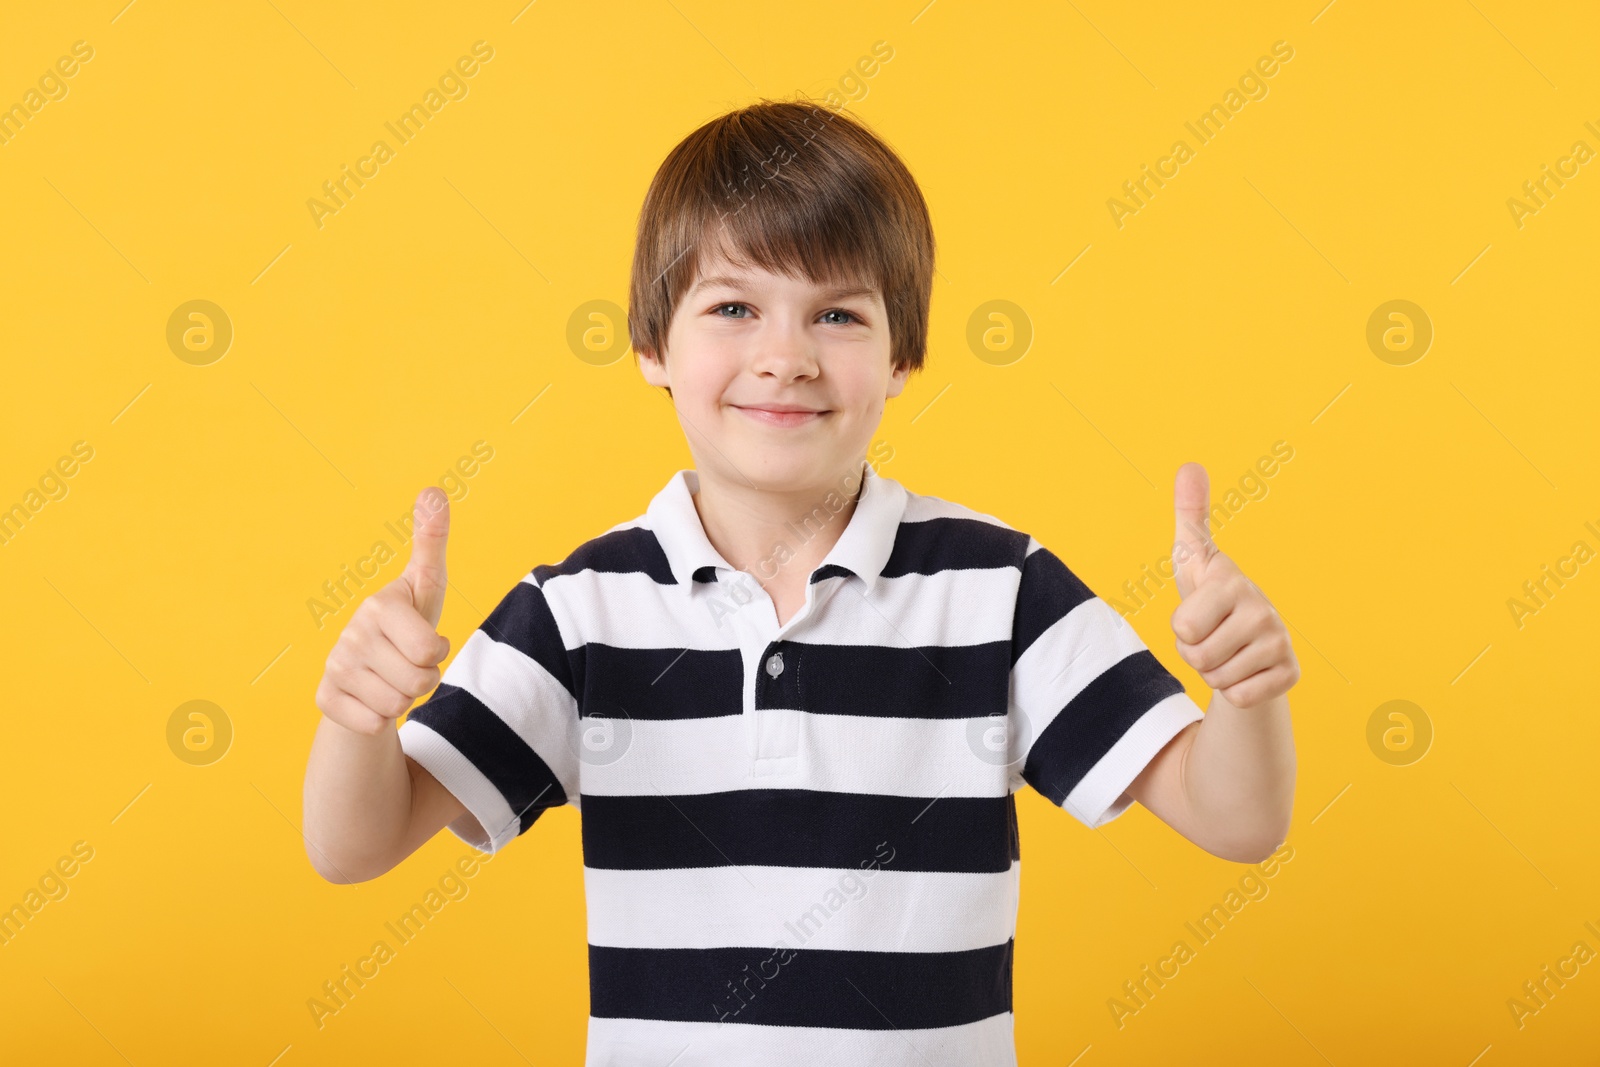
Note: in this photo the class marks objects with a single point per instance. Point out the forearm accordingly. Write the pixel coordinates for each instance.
(1238, 778)
(357, 802)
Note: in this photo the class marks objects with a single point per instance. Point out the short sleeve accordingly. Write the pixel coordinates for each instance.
(499, 730)
(1091, 704)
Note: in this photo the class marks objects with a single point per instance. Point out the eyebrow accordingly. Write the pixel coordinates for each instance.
(834, 293)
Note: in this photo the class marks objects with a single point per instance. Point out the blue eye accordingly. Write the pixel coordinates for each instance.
(718, 310)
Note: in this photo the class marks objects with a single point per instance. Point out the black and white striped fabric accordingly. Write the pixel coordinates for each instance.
(800, 841)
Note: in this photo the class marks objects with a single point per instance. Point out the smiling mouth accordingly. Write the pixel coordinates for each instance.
(782, 418)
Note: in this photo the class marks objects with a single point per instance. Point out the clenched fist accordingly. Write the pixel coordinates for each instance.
(389, 653)
(1227, 630)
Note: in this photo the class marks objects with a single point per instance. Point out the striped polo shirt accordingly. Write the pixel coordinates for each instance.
(799, 841)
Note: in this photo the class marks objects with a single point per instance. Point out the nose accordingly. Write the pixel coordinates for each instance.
(784, 351)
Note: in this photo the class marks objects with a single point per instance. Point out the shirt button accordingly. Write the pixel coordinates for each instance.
(775, 664)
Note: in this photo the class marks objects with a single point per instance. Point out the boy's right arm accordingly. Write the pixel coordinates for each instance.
(367, 804)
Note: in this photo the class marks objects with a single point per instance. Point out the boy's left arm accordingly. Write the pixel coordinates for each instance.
(1226, 782)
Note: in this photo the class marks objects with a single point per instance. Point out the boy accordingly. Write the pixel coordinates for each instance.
(794, 699)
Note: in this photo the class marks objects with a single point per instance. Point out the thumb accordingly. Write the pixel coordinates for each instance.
(425, 572)
(1192, 547)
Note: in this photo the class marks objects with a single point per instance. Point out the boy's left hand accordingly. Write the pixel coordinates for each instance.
(1226, 628)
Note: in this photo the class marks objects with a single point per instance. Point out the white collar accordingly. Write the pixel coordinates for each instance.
(862, 549)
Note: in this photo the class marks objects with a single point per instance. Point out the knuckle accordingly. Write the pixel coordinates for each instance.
(360, 652)
(391, 604)
(359, 636)
(340, 655)
(419, 650)
(369, 724)
(438, 649)
(385, 620)
(427, 681)
(348, 713)
(349, 716)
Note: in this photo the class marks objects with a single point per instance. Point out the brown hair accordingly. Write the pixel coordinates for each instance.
(796, 189)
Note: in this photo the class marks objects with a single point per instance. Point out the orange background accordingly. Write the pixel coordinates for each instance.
(432, 311)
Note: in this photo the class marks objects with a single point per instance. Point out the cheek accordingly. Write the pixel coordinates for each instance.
(865, 391)
(703, 382)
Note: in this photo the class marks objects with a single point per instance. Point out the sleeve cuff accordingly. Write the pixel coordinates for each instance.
(1101, 796)
(498, 823)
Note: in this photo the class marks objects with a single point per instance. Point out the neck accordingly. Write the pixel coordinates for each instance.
(778, 536)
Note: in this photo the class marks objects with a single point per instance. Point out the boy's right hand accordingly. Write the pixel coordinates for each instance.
(389, 653)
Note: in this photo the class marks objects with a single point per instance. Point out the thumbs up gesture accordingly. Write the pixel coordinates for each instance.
(388, 654)
(424, 576)
(1226, 628)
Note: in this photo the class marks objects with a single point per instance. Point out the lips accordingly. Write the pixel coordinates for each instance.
(782, 414)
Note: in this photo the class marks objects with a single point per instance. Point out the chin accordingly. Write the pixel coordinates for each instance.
(792, 469)
(774, 467)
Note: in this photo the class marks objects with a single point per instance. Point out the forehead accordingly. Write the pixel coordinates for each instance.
(717, 271)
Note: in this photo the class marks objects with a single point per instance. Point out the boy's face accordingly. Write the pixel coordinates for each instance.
(744, 342)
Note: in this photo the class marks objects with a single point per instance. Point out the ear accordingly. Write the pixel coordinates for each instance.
(654, 371)
(897, 380)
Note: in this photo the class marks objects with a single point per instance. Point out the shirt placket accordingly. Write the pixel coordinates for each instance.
(772, 703)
